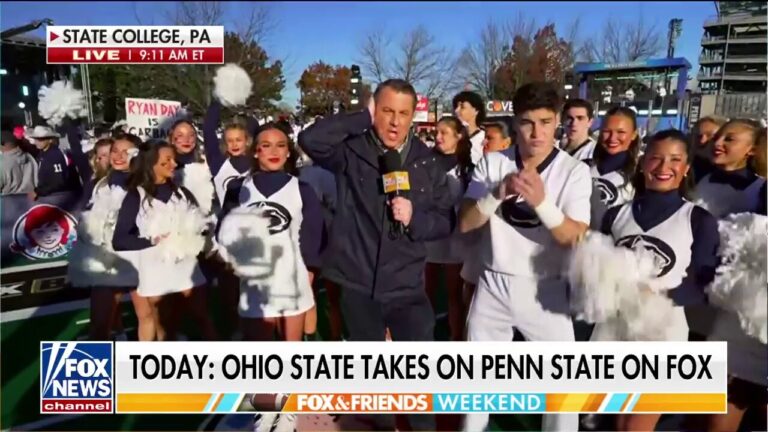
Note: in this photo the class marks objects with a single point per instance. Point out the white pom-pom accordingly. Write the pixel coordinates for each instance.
(644, 316)
(183, 224)
(600, 273)
(59, 101)
(121, 125)
(741, 281)
(243, 237)
(232, 85)
(196, 177)
(99, 222)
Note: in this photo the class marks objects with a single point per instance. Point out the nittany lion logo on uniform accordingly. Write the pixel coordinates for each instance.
(608, 191)
(44, 232)
(663, 255)
(225, 183)
(279, 217)
(516, 212)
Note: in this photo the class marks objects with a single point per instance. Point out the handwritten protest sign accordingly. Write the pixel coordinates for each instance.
(150, 118)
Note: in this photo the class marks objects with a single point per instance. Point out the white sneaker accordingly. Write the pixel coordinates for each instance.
(263, 422)
(286, 423)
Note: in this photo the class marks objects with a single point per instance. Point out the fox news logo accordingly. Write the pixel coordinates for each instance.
(76, 377)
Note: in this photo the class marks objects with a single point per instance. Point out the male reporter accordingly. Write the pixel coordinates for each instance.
(380, 271)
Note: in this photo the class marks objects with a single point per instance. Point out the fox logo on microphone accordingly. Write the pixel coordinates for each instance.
(76, 377)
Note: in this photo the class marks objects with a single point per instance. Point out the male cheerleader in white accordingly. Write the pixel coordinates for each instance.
(536, 200)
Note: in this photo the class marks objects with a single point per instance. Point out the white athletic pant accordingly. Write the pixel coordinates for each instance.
(536, 308)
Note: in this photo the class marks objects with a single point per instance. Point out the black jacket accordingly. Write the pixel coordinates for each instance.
(361, 255)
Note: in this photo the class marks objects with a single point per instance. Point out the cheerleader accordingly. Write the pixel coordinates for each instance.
(732, 187)
(706, 129)
(192, 172)
(93, 262)
(578, 116)
(470, 109)
(277, 301)
(276, 293)
(452, 148)
(614, 161)
(682, 236)
(497, 137)
(162, 222)
(227, 161)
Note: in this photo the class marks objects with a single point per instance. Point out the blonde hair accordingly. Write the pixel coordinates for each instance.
(716, 119)
(754, 127)
(759, 165)
(99, 173)
(235, 125)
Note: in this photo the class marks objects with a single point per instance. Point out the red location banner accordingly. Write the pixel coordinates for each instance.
(135, 55)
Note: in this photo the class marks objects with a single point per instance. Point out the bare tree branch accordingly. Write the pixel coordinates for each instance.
(478, 62)
(258, 26)
(624, 42)
(419, 57)
(373, 54)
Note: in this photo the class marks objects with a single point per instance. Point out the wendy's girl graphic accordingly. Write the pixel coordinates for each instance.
(44, 232)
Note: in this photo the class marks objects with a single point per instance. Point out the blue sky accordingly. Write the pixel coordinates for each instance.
(310, 31)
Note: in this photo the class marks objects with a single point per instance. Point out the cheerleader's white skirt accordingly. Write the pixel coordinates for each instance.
(158, 276)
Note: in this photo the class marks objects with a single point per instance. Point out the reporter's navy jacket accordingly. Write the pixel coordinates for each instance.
(361, 254)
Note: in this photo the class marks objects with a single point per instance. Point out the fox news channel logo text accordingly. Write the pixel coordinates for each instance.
(76, 377)
(135, 44)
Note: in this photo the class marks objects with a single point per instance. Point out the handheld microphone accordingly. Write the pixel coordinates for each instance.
(396, 183)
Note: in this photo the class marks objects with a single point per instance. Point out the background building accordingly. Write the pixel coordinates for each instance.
(733, 49)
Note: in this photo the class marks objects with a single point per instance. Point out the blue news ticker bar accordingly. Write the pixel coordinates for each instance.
(489, 402)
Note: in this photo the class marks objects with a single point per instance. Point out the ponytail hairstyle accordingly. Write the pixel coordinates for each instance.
(142, 173)
(630, 166)
(463, 148)
(293, 154)
(198, 154)
(759, 160)
(687, 185)
(99, 173)
(755, 129)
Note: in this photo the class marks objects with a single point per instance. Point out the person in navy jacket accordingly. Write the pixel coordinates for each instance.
(381, 275)
(56, 172)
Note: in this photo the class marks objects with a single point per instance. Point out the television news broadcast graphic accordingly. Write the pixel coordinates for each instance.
(135, 44)
(395, 182)
(434, 377)
(76, 377)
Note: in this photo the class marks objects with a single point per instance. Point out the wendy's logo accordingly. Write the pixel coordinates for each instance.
(44, 232)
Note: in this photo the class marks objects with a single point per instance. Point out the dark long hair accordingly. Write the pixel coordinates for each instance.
(293, 154)
(142, 172)
(463, 149)
(197, 152)
(686, 186)
(630, 166)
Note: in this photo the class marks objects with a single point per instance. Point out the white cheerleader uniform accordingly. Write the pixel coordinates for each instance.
(608, 190)
(92, 261)
(720, 199)
(226, 174)
(157, 275)
(671, 245)
(283, 289)
(449, 250)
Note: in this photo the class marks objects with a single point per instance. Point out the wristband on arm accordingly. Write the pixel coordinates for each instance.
(551, 216)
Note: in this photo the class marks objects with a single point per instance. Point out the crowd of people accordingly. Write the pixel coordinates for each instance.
(264, 216)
